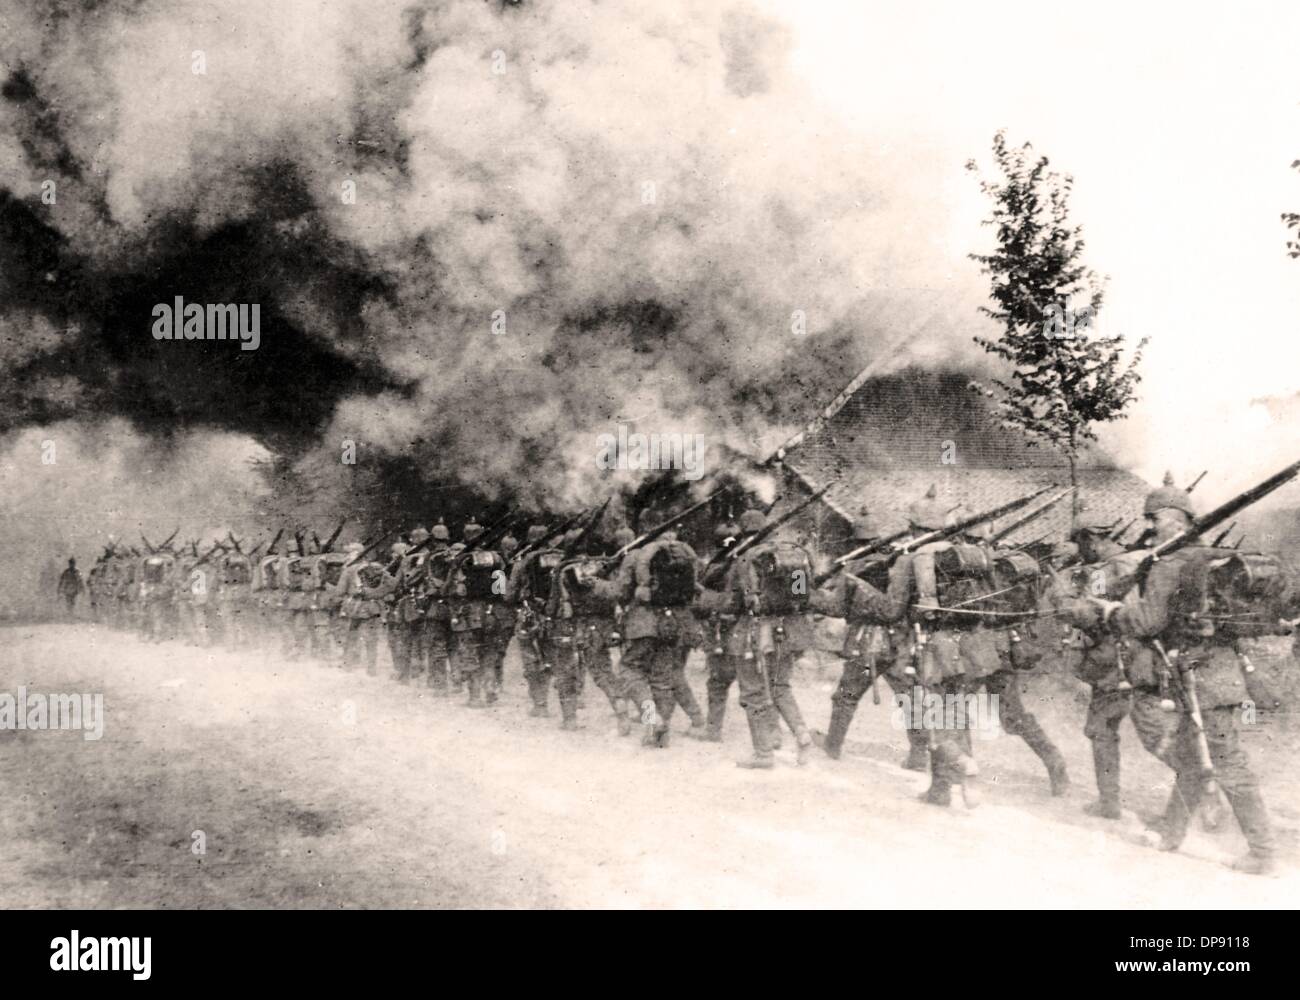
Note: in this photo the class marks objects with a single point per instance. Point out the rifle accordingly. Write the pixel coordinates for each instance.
(577, 545)
(230, 536)
(1223, 536)
(723, 558)
(270, 549)
(937, 535)
(1032, 516)
(329, 542)
(1115, 536)
(1215, 518)
(371, 546)
(208, 555)
(553, 533)
(1184, 679)
(646, 537)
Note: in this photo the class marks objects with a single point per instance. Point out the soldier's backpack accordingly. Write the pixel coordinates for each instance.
(541, 572)
(672, 575)
(782, 578)
(156, 569)
(1017, 575)
(236, 571)
(478, 573)
(372, 575)
(1237, 594)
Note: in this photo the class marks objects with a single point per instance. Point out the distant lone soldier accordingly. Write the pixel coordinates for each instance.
(70, 585)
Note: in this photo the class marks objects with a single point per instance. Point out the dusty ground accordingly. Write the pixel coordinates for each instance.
(316, 788)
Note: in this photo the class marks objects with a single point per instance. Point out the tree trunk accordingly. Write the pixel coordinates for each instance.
(1072, 458)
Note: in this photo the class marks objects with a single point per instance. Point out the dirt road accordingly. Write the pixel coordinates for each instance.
(310, 787)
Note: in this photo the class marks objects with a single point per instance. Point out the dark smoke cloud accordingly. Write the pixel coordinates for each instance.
(640, 193)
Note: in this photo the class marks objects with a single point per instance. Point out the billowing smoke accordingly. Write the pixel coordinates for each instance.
(481, 235)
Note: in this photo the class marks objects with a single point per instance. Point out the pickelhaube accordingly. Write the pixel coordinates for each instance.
(1090, 518)
(419, 536)
(623, 535)
(1168, 495)
(725, 530)
(927, 513)
(865, 527)
(440, 532)
(536, 532)
(471, 530)
(508, 545)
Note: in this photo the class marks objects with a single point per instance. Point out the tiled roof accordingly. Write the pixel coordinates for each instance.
(897, 435)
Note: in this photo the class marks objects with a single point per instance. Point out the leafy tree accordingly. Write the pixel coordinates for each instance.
(1065, 377)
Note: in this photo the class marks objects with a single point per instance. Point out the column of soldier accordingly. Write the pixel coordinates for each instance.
(942, 609)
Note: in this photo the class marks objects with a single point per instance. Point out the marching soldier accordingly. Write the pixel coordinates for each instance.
(360, 593)
(870, 641)
(581, 617)
(394, 628)
(720, 622)
(70, 586)
(771, 582)
(528, 592)
(656, 585)
(407, 618)
(434, 636)
(1121, 673)
(468, 592)
(1165, 615)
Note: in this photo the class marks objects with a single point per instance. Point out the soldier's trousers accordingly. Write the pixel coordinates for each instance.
(1155, 729)
(537, 668)
(1231, 771)
(855, 682)
(647, 672)
(571, 662)
(361, 640)
(951, 756)
(495, 643)
(1016, 720)
(779, 664)
(234, 624)
(470, 663)
(682, 692)
(398, 648)
(433, 652)
(156, 621)
(722, 674)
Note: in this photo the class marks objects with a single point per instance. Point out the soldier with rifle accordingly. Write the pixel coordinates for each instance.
(719, 619)
(1121, 673)
(581, 617)
(527, 593)
(474, 584)
(871, 611)
(360, 592)
(1199, 663)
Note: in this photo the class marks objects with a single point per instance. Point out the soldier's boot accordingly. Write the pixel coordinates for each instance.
(761, 759)
(1105, 763)
(838, 730)
(774, 738)
(475, 691)
(1032, 733)
(711, 731)
(537, 691)
(804, 748)
(650, 721)
(939, 793)
(569, 713)
(971, 793)
(622, 715)
(1255, 864)
(918, 755)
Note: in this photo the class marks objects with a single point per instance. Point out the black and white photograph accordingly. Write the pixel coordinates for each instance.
(650, 455)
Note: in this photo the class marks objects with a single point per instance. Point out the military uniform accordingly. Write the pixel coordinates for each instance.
(234, 599)
(360, 591)
(871, 645)
(581, 619)
(531, 623)
(1120, 672)
(658, 628)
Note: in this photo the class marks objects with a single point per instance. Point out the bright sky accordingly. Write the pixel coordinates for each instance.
(1179, 123)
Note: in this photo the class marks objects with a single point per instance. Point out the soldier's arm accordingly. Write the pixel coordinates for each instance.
(1147, 615)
